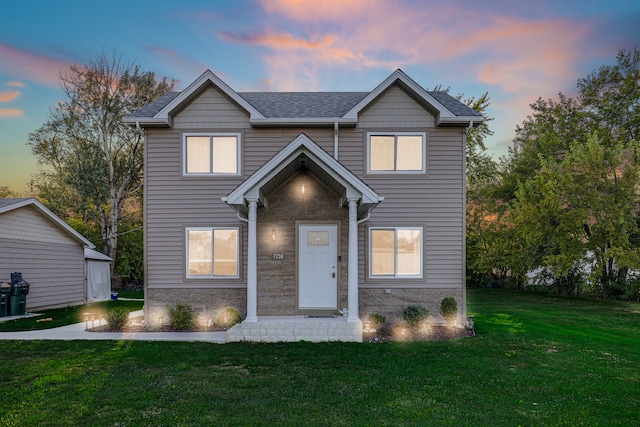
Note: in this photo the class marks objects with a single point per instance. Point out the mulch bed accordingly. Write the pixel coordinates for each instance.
(135, 325)
(405, 333)
(400, 333)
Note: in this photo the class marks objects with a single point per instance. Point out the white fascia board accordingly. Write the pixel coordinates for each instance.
(53, 217)
(462, 120)
(146, 120)
(207, 76)
(395, 76)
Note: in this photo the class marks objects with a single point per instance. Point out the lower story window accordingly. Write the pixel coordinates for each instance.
(212, 252)
(395, 252)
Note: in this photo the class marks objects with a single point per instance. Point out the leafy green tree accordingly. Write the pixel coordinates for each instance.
(588, 142)
(94, 158)
(6, 192)
(584, 206)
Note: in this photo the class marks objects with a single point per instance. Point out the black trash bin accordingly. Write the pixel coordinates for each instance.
(19, 292)
(5, 294)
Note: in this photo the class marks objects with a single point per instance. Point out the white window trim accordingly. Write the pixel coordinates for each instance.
(395, 275)
(397, 172)
(210, 276)
(211, 135)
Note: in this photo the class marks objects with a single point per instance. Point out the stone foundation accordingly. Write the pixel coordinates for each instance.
(206, 302)
(392, 304)
(296, 328)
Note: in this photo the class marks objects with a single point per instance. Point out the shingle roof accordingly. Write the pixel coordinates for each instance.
(11, 201)
(155, 106)
(453, 105)
(303, 104)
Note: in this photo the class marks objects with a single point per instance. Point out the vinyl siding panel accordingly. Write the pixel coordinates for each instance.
(434, 200)
(395, 108)
(211, 109)
(54, 271)
(28, 224)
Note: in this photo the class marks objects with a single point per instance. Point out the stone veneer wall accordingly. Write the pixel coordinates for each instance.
(392, 304)
(205, 301)
(277, 278)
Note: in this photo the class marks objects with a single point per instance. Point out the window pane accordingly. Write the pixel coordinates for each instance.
(198, 154)
(225, 252)
(409, 250)
(382, 153)
(382, 252)
(225, 154)
(199, 262)
(409, 153)
(317, 238)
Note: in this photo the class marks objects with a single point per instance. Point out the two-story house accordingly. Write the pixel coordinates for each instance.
(294, 206)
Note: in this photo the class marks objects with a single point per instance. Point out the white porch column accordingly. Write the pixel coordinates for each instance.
(252, 264)
(352, 284)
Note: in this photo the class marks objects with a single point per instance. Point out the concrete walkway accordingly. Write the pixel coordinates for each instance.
(77, 332)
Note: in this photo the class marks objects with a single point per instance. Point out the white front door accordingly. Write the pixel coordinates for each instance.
(317, 267)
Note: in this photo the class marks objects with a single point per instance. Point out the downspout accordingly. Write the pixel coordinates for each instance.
(224, 199)
(366, 218)
(464, 226)
(335, 140)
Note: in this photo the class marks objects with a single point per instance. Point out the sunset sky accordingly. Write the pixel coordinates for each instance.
(516, 50)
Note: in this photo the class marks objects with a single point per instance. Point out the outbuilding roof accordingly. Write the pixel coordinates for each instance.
(9, 204)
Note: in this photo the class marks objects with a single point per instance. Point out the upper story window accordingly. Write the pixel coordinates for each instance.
(212, 154)
(396, 152)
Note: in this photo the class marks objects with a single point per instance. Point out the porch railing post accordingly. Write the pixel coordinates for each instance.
(252, 264)
(352, 266)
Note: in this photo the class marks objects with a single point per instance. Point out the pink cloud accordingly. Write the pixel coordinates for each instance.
(11, 112)
(177, 62)
(39, 68)
(9, 96)
(518, 59)
(16, 83)
(274, 40)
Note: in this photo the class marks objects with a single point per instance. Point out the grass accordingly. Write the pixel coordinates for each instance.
(537, 360)
(64, 316)
(131, 293)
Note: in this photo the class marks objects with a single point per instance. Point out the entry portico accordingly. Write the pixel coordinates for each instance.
(302, 156)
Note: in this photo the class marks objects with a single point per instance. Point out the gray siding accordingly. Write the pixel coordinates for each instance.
(395, 109)
(49, 260)
(434, 200)
(211, 110)
(28, 224)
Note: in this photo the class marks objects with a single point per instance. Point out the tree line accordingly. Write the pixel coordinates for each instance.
(560, 211)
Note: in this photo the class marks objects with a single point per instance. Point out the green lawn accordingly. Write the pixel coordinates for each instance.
(537, 360)
(64, 316)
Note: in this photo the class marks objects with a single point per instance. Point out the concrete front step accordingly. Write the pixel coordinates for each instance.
(296, 328)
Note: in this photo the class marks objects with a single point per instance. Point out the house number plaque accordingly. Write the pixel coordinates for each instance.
(277, 257)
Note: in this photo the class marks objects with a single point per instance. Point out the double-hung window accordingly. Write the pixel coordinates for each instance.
(212, 252)
(212, 154)
(395, 252)
(396, 153)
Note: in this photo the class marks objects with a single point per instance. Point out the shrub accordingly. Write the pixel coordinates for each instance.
(117, 318)
(386, 329)
(377, 320)
(415, 314)
(449, 308)
(181, 317)
(228, 316)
